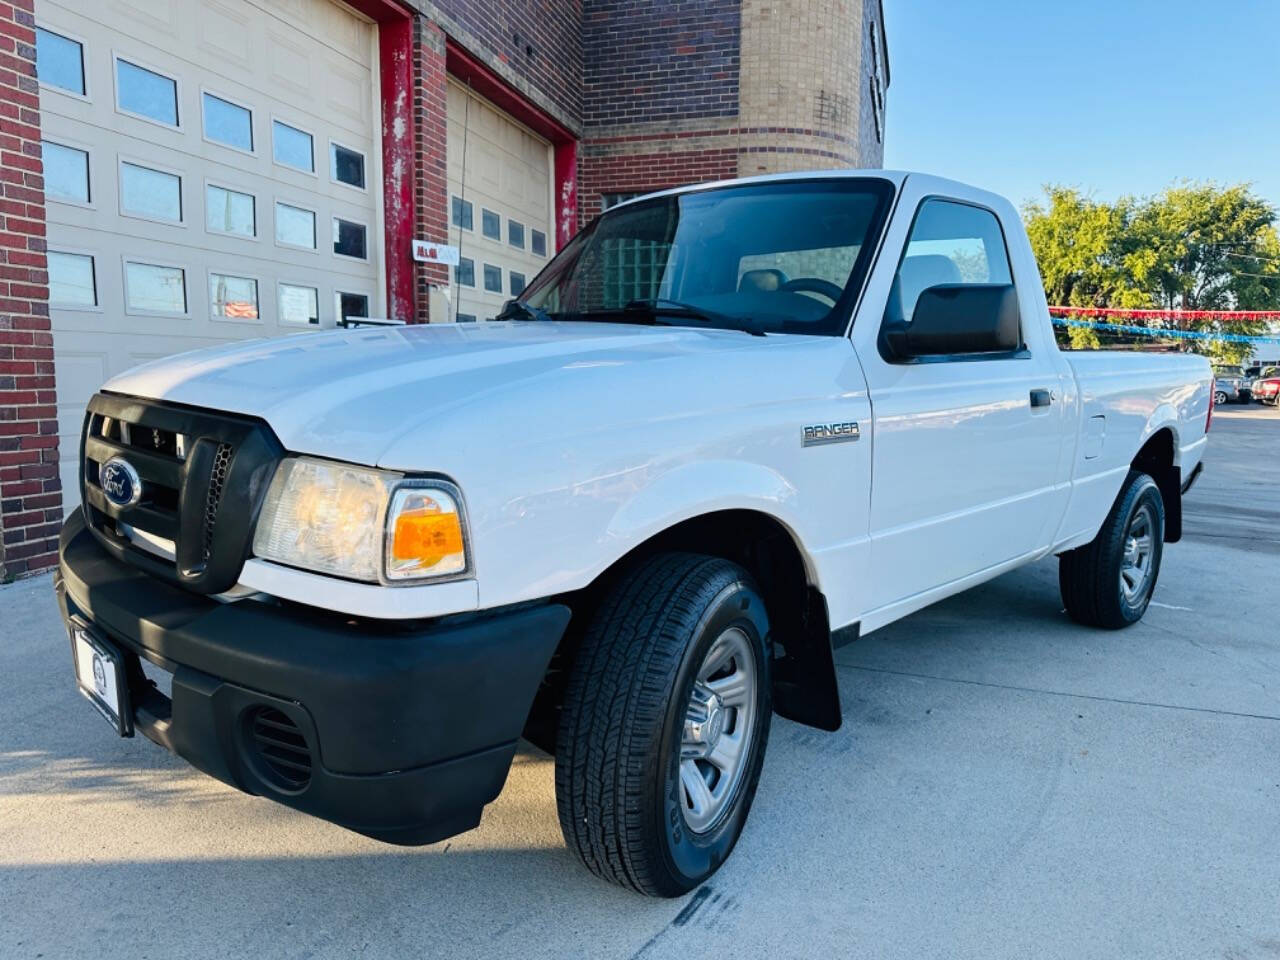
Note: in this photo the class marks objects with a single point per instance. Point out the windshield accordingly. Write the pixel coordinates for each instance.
(780, 257)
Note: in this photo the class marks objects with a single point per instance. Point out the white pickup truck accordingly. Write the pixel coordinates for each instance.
(727, 429)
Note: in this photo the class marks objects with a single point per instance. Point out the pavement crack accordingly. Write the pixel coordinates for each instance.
(1059, 693)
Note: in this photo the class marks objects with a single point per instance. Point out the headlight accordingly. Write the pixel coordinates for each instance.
(360, 523)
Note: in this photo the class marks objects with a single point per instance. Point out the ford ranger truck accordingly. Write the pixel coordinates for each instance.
(728, 429)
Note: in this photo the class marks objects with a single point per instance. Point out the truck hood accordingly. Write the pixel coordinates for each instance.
(352, 395)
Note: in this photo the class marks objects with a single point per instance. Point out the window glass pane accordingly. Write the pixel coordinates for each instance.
(71, 279)
(147, 93)
(154, 288)
(492, 278)
(352, 305)
(950, 243)
(59, 61)
(515, 234)
(517, 283)
(465, 272)
(234, 297)
(227, 123)
(66, 172)
(491, 224)
(299, 304)
(461, 213)
(295, 226)
(349, 239)
(292, 146)
(150, 193)
(538, 240)
(346, 166)
(229, 211)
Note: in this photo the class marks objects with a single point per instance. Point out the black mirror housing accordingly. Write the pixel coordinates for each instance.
(958, 318)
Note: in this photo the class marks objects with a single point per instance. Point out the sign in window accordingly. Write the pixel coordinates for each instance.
(299, 304)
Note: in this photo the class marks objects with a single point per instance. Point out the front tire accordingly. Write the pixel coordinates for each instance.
(1108, 582)
(1220, 398)
(664, 724)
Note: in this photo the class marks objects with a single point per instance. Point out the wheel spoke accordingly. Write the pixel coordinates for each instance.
(726, 752)
(697, 794)
(717, 657)
(733, 690)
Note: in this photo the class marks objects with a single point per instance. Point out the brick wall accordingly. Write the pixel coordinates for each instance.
(646, 61)
(30, 493)
(431, 189)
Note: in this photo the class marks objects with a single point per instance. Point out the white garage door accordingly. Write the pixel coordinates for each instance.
(500, 204)
(212, 172)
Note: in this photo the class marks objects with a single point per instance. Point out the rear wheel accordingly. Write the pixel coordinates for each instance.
(664, 724)
(1109, 582)
(1220, 398)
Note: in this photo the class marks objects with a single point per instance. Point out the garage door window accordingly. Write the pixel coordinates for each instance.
(351, 305)
(292, 147)
(491, 224)
(517, 283)
(233, 298)
(228, 123)
(59, 61)
(148, 193)
(299, 304)
(465, 272)
(538, 242)
(152, 288)
(145, 93)
(492, 278)
(71, 280)
(229, 211)
(66, 173)
(295, 227)
(515, 234)
(346, 165)
(349, 239)
(461, 214)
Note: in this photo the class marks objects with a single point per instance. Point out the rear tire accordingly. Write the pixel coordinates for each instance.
(1220, 398)
(642, 701)
(1108, 582)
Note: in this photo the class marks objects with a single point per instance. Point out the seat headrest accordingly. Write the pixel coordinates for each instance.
(761, 281)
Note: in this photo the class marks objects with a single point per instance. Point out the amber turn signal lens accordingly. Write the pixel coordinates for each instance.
(426, 535)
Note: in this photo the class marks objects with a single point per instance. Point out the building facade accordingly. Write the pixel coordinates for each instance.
(181, 173)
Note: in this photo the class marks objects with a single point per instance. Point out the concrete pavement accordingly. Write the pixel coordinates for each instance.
(1006, 784)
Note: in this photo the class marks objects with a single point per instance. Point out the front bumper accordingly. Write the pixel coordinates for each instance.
(410, 728)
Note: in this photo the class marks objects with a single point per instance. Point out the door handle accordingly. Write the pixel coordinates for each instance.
(1041, 398)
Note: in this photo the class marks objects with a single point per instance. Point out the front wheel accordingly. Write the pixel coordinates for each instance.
(1109, 582)
(664, 724)
(1220, 398)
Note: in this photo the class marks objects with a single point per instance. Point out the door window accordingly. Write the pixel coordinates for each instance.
(950, 243)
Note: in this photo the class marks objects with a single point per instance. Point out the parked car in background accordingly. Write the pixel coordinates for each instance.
(1267, 389)
(1258, 371)
(1229, 385)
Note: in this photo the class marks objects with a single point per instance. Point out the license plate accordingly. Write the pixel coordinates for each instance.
(100, 676)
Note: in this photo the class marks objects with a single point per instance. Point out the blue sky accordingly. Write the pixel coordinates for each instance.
(1115, 97)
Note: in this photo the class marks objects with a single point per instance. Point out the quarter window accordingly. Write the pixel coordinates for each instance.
(461, 214)
(950, 243)
(299, 304)
(491, 224)
(146, 93)
(465, 272)
(515, 234)
(71, 280)
(346, 166)
(66, 172)
(538, 242)
(151, 288)
(229, 211)
(59, 61)
(349, 239)
(235, 298)
(150, 193)
(295, 226)
(492, 278)
(228, 123)
(292, 147)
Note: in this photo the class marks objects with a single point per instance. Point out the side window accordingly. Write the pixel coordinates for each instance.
(950, 243)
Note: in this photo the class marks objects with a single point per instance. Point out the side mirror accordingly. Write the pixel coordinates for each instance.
(958, 318)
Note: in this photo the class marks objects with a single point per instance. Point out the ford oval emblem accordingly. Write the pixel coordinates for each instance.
(120, 482)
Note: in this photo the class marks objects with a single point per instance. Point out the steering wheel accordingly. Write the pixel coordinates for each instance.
(824, 288)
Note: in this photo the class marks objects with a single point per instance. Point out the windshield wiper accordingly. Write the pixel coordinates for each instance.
(519, 310)
(660, 307)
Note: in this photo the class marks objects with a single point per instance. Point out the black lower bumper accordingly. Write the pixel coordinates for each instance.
(406, 730)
